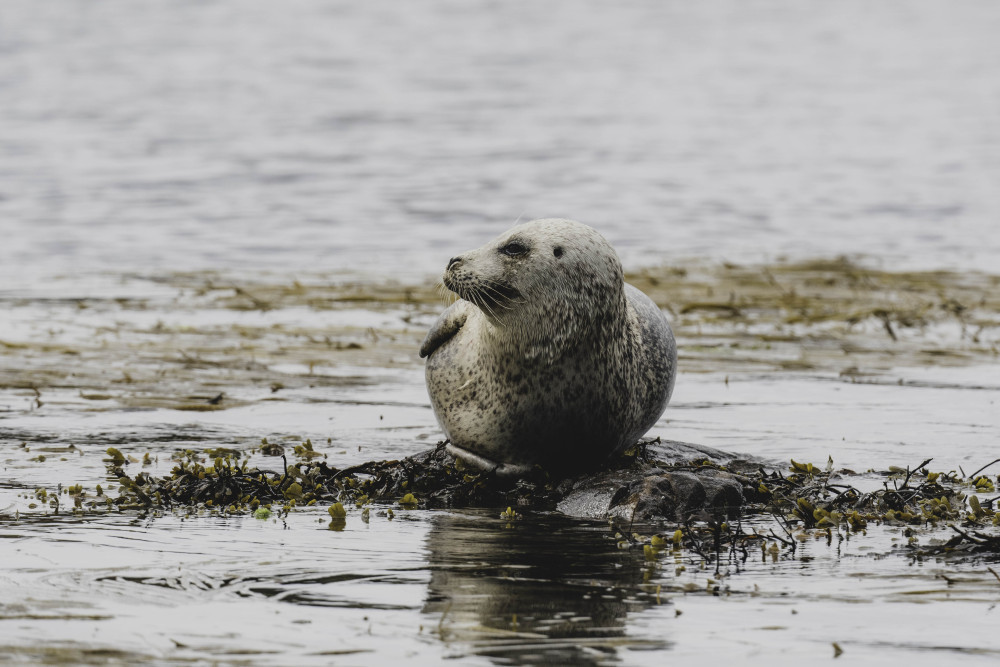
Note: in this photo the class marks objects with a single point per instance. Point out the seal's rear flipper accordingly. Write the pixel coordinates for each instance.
(485, 464)
(447, 325)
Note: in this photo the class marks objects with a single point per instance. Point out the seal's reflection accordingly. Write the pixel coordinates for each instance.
(542, 589)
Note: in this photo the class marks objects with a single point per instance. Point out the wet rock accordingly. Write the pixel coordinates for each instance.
(685, 494)
(660, 480)
(656, 495)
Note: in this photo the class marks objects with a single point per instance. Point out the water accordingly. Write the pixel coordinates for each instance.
(154, 156)
(176, 136)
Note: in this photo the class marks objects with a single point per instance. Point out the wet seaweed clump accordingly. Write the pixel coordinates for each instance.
(228, 483)
(940, 514)
(710, 504)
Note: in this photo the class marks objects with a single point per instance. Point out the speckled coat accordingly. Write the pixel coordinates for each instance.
(549, 357)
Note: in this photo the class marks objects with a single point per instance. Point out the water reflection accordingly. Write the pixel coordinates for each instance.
(542, 589)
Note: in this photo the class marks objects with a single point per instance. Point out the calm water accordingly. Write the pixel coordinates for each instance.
(380, 138)
(375, 140)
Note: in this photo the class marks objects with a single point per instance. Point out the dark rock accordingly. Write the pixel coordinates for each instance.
(655, 496)
(671, 481)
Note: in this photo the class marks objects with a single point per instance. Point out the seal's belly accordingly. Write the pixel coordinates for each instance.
(510, 413)
(471, 406)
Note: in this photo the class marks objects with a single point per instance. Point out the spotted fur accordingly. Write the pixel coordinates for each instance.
(549, 357)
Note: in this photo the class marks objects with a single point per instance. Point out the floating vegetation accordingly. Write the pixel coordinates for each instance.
(807, 502)
(226, 342)
(827, 315)
(228, 484)
(773, 510)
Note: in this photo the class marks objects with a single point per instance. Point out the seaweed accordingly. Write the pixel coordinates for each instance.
(820, 316)
(772, 512)
(226, 483)
(809, 501)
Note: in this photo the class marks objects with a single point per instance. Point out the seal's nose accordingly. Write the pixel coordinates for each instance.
(453, 261)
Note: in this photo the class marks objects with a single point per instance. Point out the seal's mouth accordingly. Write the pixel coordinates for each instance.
(493, 297)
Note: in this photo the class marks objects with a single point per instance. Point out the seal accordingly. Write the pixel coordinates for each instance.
(549, 357)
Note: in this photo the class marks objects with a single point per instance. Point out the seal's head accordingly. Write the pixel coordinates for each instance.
(543, 284)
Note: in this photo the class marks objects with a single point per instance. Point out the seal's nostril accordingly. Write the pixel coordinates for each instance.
(453, 261)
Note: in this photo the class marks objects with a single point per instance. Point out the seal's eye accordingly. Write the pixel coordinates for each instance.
(514, 249)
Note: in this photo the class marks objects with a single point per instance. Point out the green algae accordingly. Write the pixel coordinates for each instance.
(223, 342)
(942, 514)
(826, 315)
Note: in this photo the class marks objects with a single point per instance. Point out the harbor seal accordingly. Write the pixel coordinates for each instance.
(549, 357)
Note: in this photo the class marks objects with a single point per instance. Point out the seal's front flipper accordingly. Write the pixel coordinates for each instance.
(446, 326)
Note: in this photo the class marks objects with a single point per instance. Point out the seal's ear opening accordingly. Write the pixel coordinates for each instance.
(558, 252)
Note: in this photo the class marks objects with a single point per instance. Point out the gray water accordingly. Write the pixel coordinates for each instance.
(383, 138)
(151, 151)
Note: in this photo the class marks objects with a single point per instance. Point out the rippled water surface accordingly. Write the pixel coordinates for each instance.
(221, 222)
(369, 136)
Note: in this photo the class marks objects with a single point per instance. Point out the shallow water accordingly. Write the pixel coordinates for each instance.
(246, 203)
(138, 373)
